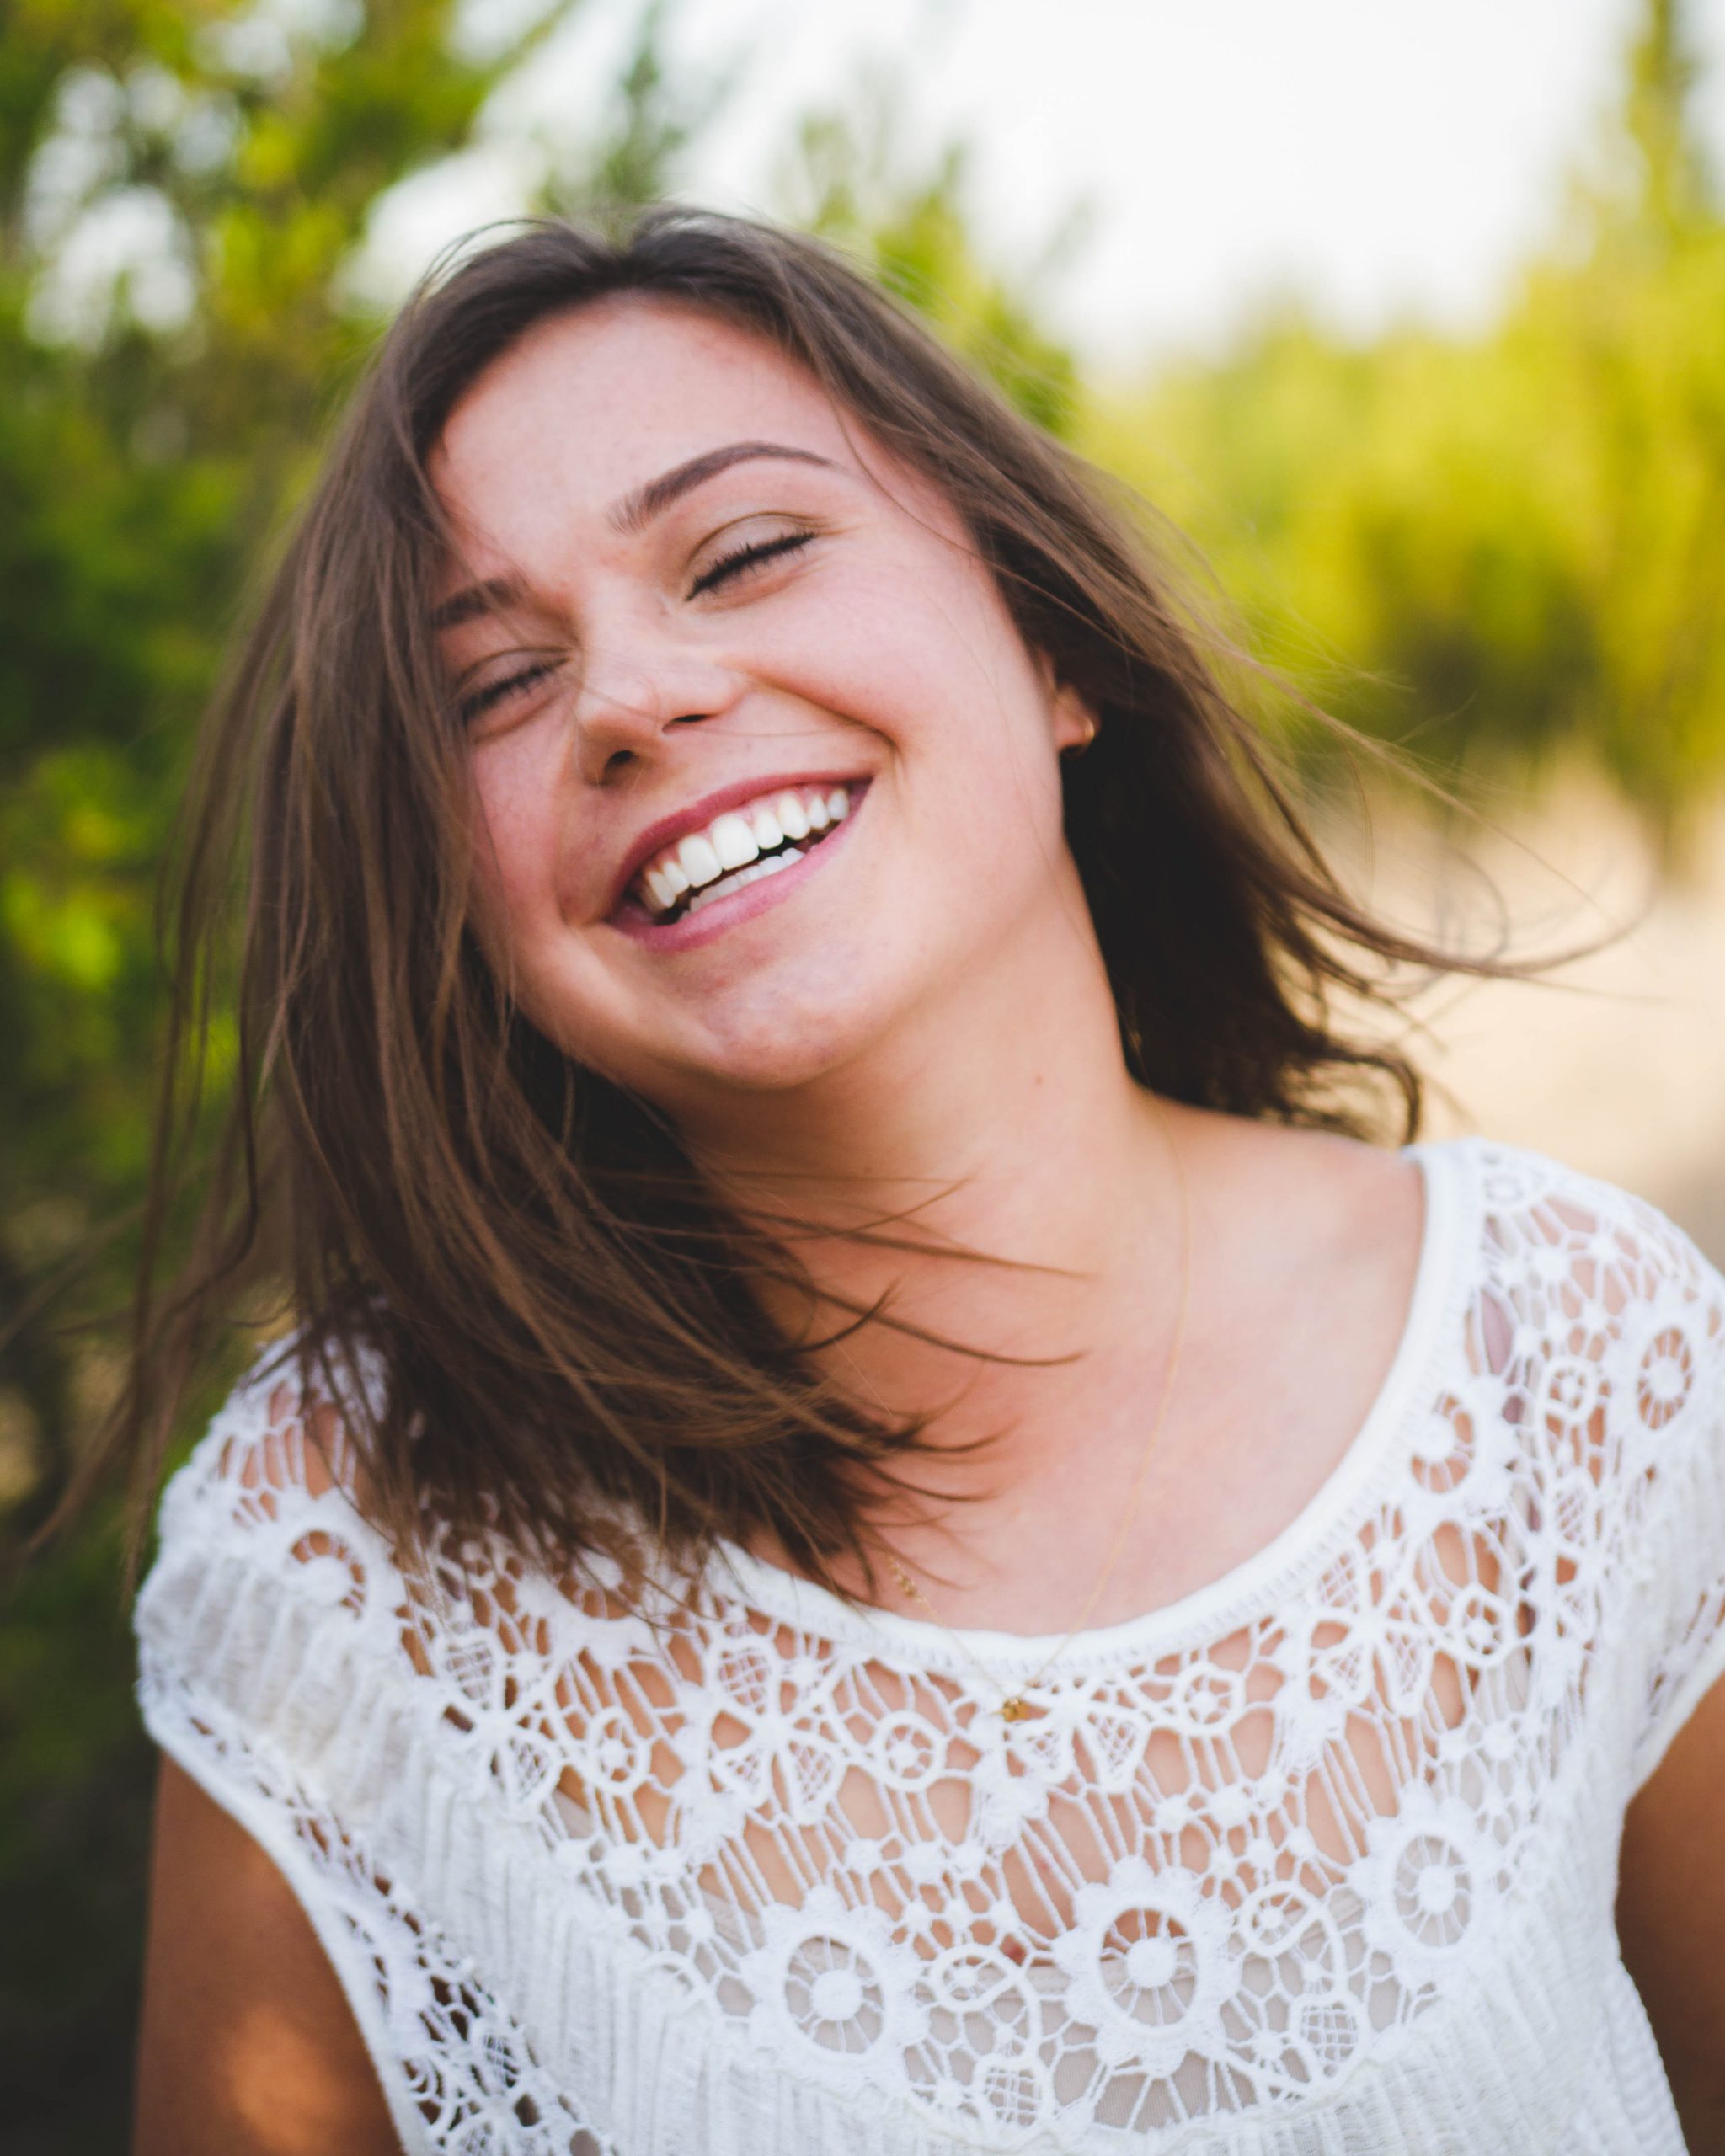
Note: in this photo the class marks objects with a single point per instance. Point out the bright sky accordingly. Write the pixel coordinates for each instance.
(1377, 156)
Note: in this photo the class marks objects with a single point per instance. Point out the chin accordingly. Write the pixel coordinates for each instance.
(802, 1016)
(783, 1052)
(779, 1034)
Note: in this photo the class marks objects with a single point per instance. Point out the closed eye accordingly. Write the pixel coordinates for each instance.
(744, 559)
(496, 692)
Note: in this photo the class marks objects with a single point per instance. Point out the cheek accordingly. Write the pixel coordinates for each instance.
(910, 637)
(515, 850)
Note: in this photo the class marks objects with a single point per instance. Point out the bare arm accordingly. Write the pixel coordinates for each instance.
(1671, 1916)
(247, 2045)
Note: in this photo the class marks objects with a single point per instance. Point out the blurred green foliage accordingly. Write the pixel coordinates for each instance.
(1501, 548)
(848, 178)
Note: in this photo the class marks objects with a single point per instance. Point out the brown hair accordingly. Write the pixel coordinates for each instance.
(567, 1317)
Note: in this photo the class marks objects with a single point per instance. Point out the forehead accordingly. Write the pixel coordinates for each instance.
(587, 405)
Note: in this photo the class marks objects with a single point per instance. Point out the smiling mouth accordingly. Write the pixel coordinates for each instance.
(759, 838)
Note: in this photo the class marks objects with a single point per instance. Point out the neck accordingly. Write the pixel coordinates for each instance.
(999, 1121)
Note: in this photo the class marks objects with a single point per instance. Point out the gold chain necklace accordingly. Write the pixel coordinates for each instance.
(1015, 1707)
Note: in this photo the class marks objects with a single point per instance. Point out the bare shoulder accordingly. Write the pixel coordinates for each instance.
(1333, 1196)
(247, 2045)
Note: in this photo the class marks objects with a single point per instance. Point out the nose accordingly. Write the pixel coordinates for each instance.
(635, 694)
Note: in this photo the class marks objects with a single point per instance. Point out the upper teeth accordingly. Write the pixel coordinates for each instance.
(731, 841)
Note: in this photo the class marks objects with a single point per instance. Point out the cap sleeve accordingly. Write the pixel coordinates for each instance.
(1671, 1412)
(272, 1669)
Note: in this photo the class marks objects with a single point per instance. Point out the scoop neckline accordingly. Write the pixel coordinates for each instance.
(1304, 1544)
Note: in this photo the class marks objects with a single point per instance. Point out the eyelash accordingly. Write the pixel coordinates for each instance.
(474, 706)
(747, 557)
(723, 571)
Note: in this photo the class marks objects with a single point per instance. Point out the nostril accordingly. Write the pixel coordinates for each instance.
(618, 761)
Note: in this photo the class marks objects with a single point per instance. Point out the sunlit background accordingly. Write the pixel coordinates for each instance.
(1410, 319)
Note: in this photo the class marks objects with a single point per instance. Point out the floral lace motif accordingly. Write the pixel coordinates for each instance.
(1229, 1870)
(457, 2069)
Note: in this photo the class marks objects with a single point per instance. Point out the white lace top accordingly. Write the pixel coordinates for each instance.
(1319, 1861)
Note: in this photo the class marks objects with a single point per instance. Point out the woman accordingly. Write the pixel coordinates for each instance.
(884, 1531)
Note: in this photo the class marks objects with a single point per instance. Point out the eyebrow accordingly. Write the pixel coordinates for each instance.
(629, 515)
(495, 595)
(639, 508)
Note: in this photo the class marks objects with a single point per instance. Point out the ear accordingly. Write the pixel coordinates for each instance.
(1072, 723)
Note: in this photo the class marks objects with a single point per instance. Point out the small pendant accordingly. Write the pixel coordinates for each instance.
(1014, 1710)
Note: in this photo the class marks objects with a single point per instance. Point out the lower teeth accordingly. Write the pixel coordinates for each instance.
(739, 878)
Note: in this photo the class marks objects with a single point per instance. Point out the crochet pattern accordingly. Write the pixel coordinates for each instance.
(1317, 1860)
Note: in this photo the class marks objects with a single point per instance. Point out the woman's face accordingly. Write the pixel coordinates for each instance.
(687, 589)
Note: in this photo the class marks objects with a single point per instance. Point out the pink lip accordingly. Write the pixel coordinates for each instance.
(693, 930)
(697, 814)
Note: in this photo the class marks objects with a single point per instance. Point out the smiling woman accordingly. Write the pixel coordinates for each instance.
(879, 1525)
